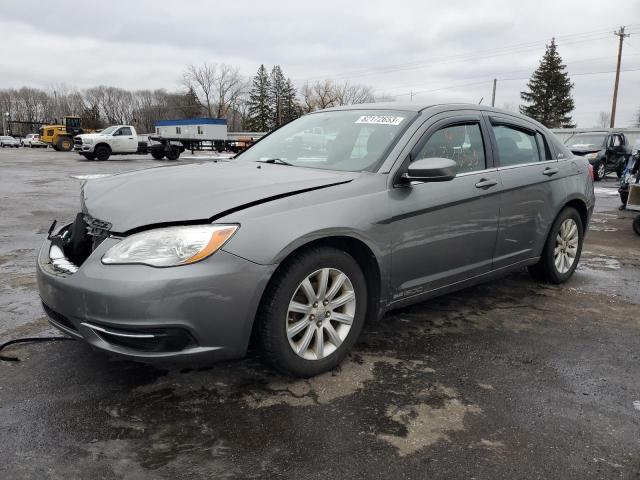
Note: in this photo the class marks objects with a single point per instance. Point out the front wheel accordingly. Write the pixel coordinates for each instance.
(312, 312)
(102, 153)
(562, 249)
(599, 170)
(89, 156)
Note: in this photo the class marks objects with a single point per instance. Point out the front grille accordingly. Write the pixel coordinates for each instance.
(59, 318)
(77, 142)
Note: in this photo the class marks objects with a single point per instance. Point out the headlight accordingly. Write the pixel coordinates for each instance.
(591, 156)
(87, 141)
(171, 246)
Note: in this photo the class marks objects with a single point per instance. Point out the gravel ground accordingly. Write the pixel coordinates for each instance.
(510, 379)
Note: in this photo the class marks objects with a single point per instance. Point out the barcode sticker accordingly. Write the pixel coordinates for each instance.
(380, 119)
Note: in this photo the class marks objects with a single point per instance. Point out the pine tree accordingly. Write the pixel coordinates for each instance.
(549, 94)
(259, 106)
(291, 108)
(276, 96)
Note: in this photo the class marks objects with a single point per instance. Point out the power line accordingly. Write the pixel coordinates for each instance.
(587, 36)
(488, 80)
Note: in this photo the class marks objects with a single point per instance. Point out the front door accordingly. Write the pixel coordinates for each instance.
(126, 141)
(446, 230)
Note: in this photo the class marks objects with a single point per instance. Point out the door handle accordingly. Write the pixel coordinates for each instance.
(486, 183)
(550, 171)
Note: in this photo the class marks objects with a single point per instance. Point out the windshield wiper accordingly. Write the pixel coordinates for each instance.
(279, 161)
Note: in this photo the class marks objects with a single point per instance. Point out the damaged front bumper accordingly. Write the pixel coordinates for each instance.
(204, 310)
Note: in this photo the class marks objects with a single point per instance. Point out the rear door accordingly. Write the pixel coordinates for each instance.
(446, 231)
(531, 187)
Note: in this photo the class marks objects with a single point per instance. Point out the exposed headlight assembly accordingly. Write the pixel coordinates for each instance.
(171, 246)
(591, 156)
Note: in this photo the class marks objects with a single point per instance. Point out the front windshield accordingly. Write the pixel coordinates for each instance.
(108, 130)
(587, 140)
(348, 140)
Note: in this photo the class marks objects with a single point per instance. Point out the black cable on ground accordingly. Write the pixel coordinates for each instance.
(28, 340)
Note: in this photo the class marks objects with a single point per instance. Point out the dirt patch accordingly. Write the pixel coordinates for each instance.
(426, 425)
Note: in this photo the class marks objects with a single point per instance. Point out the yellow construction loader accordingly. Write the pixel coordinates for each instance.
(60, 137)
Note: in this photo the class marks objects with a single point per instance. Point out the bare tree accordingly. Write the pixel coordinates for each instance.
(348, 94)
(318, 95)
(202, 81)
(603, 119)
(229, 85)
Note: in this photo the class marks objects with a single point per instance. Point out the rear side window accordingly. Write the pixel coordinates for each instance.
(515, 147)
(461, 143)
(543, 146)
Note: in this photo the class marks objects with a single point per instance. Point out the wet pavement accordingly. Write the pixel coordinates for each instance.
(510, 379)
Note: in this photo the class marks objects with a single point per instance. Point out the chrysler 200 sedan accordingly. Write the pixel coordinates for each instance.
(330, 220)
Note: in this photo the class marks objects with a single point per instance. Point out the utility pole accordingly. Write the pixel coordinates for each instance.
(411, 94)
(621, 35)
(493, 94)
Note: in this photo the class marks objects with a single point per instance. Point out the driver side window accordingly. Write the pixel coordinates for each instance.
(461, 143)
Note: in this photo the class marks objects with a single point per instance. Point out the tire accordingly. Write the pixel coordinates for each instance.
(173, 153)
(636, 224)
(102, 153)
(599, 170)
(547, 269)
(157, 154)
(64, 144)
(275, 316)
(89, 156)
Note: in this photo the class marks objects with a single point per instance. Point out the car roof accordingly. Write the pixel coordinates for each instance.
(434, 108)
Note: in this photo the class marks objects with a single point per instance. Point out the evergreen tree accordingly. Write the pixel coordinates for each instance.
(291, 108)
(549, 94)
(260, 115)
(277, 93)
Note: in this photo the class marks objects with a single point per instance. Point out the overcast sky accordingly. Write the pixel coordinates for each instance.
(442, 51)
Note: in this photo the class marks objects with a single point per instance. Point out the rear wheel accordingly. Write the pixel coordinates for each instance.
(562, 249)
(102, 153)
(173, 153)
(599, 170)
(157, 154)
(64, 144)
(312, 312)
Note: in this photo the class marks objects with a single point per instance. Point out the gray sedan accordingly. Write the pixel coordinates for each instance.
(330, 220)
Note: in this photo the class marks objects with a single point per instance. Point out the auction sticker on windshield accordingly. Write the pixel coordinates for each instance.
(380, 119)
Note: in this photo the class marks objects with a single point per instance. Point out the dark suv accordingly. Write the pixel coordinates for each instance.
(607, 152)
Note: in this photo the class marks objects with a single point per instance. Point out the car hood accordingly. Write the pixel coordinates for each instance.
(196, 192)
(93, 136)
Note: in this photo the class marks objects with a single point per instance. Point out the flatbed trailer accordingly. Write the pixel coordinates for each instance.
(171, 147)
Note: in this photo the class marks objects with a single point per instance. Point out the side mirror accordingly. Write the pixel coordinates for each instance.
(431, 170)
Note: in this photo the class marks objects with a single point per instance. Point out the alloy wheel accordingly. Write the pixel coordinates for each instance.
(601, 170)
(564, 254)
(320, 313)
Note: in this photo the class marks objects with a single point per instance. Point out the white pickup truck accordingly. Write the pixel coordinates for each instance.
(115, 140)
(124, 140)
